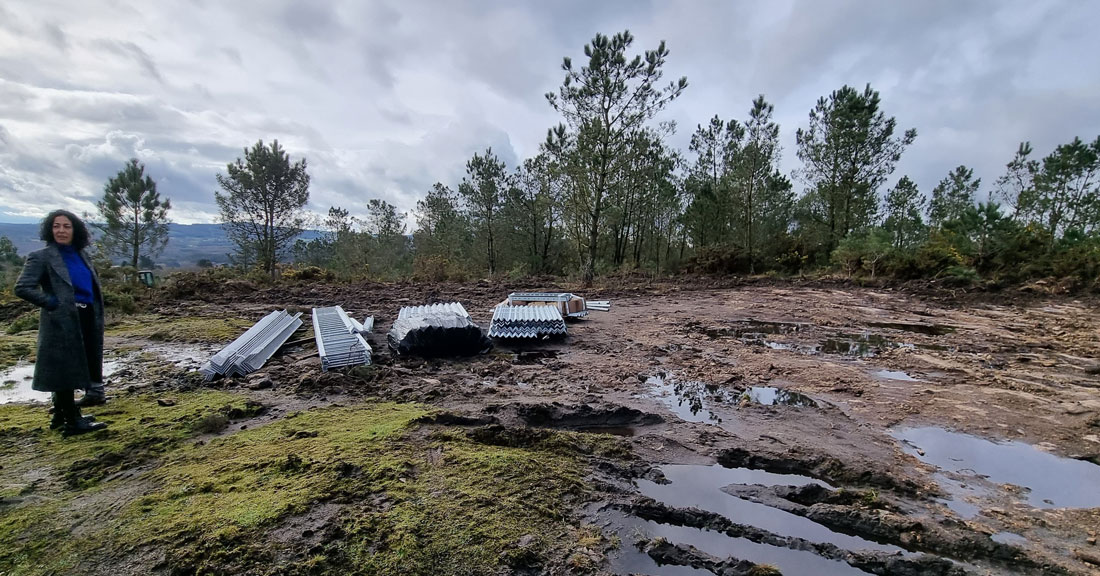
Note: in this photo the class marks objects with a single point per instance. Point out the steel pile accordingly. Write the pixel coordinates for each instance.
(526, 322)
(339, 342)
(436, 330)
(252, 349)
(598, 305)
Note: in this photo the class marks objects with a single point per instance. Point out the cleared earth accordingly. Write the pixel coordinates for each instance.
(699, 429)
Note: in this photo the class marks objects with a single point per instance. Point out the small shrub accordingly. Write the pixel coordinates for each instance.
(119, 301)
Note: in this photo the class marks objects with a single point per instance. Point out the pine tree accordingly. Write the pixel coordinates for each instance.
(135, 219)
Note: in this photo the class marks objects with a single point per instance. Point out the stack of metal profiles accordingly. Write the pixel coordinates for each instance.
(252, 349)
(598, 305)
(436, 330)
(339, 342)
(526, 322)
(561, 298)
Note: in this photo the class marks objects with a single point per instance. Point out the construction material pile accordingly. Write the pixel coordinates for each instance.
(436, 330)
(569, 305)
(252, 349)
(526, 322)
(339, 342)
(598, 305)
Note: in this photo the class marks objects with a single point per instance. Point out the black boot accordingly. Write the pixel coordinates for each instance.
(94, 395)
(57, 418)
(74, 423)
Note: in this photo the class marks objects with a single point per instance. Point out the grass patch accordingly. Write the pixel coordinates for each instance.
(178, 329)
(411, 502)
(16, 347)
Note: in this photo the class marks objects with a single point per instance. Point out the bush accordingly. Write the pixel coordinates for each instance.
(309, 273)
(119, 301)
(719, 260)
(437, 268)
(960, 276)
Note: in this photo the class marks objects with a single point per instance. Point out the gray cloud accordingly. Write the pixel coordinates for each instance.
(384, 98)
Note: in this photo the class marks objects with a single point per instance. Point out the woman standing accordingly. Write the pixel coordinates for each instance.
(61, 281)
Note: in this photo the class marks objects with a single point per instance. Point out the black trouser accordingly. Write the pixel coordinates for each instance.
(91, 339)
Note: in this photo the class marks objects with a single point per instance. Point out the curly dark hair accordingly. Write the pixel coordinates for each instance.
(80, 231)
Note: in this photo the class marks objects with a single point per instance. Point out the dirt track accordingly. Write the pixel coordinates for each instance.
(674, 370)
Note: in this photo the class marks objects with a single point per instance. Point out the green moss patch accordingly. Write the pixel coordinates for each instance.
(179, 329)
(412, 498)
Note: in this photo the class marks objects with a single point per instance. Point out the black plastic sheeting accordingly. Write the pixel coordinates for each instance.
(437, 330)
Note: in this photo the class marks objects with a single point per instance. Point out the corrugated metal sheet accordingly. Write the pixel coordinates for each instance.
(526, 322)
(436, 330)
(338, 342)
(252, 349)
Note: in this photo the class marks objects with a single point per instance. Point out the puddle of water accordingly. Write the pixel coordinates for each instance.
(690, 400)
(858, 345)
(701, 487)
(626, 431)
(928, 329)
(961, 493)
(771, 396)
(718, 545)
(893, 375)
(757, 328)
(1008, 538)
(17, 385)
(19, 378)
(1053, 482)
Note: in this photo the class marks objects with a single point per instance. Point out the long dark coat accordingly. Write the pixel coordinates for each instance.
(61, 363)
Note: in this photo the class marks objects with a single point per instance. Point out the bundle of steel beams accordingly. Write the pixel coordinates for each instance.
(526, 322)
(252, 349)
(339, 342)
(436, 330)
(598, 305)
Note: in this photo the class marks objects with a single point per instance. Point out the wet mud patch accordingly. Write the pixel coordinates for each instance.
(576, 417)
(824, 468)
(917, 327)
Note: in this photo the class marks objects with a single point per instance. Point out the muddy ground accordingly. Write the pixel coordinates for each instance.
(808, 429)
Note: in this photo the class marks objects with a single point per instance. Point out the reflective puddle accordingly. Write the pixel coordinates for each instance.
(632, 561)
(15, 382)
(692, 401)
(856, 345)
(893, 375)
(701, 487)
(771, 396)
(1052, 482)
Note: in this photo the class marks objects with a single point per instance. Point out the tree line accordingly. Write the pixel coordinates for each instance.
(606, 194)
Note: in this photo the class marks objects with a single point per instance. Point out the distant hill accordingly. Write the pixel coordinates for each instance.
(187, 243)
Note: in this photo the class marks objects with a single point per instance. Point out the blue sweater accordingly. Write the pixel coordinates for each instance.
(78, 273)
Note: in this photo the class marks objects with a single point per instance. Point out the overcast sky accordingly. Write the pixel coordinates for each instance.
(383, 98)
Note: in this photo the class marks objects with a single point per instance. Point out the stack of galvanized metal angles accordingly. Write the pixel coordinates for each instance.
(339, 342)
(252, 349)
(598, 305)
(436, 330)
(526, 322)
